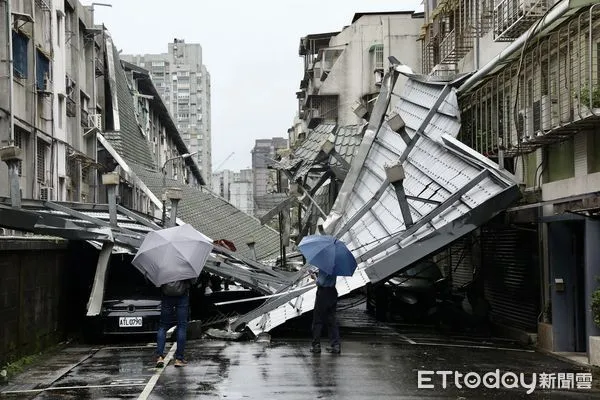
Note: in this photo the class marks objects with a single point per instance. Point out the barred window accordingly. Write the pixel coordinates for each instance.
(20, 65)
(42, 70)
(42, 148)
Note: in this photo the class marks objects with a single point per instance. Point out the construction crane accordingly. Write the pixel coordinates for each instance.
(224, 161)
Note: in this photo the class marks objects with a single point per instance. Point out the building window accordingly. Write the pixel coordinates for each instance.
(42, 148)
(42, 70)
(20, 42)
(593, 152)
(560, 161)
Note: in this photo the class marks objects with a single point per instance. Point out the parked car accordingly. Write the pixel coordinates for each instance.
(131, 303)
(412, 294)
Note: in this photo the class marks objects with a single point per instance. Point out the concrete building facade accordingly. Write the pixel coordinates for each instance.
(236, 188)
(49, 107)
(532, 106)
(66, 91)
(265, 179)
(183, 82)
(343, 70)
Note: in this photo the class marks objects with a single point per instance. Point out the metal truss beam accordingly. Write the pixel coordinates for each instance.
(398, 237)
(442, 237)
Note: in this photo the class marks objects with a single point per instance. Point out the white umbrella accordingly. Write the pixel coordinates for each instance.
(173, 254)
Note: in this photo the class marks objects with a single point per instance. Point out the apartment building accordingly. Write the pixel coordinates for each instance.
(52, 103)
(343, 70)
(265, 179)
(69, 97)
(183, 82)
(532, 105)
(236, 188)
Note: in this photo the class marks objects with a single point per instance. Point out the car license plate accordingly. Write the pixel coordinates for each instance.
(130, 322)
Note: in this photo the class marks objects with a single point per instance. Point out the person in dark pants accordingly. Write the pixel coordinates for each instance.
(325, 313)
(175, 304)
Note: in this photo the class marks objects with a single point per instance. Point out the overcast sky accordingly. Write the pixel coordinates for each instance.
(250, 49)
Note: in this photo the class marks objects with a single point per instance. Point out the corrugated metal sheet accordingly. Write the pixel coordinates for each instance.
(437, 167)
(510, 269)
(461, 261)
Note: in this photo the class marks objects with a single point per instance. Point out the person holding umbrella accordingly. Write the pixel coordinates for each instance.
(172, 259)
(174, 305)
(332, 259)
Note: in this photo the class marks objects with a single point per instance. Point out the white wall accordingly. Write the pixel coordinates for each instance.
(352, 75)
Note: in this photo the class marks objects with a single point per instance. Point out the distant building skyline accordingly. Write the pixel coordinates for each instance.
(264, 178)
(236, 187)
(183, 82)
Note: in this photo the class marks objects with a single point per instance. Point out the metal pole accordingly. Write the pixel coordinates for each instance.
(112, 204)
(173, 220)
(164, 195)
(9, 55)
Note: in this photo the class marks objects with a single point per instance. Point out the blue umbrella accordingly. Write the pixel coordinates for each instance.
(328, 254)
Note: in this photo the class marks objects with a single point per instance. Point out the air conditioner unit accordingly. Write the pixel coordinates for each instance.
(46, 193)
(549, 113)
(95, 121)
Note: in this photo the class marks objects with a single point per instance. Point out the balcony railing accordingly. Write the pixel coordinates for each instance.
(551, 95)
(454, 46)
(512, 18)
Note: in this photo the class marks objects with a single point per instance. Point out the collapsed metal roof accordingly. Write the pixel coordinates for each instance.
(408, 193)
(91, 223)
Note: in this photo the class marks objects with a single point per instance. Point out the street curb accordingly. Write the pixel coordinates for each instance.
(567, 359)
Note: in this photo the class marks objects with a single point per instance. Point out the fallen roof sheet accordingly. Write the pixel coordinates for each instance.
(448, 190)
(308, 154)
(215, 217)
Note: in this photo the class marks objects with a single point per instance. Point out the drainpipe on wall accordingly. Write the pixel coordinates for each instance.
(9, 54)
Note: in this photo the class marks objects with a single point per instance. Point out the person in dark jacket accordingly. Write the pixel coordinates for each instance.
(175, 303)
(324, 313)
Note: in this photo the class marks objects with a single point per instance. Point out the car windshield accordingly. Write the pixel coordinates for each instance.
(124, 281)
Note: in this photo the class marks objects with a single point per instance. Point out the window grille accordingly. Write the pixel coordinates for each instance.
(20, 65)
(41, 161)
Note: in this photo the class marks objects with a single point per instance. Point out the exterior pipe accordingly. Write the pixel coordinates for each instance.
(550, 18)
(9, 55)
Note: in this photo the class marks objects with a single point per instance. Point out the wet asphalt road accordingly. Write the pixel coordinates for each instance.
(377, 362)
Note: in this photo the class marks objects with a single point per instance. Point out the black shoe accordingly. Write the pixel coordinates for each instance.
(334, 349)
(315, 348)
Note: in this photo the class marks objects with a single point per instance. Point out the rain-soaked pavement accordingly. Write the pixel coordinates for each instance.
(378, 361)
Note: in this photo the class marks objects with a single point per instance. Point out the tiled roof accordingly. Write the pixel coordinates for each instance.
(270, 200)
(306, 156)
(215, 217)
(128, 141)
(347, 141)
